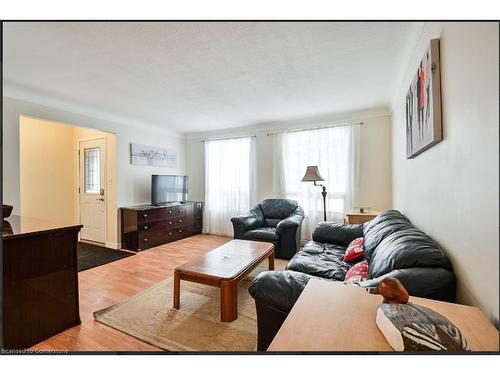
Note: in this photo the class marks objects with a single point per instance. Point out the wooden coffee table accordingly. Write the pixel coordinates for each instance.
(223, 267)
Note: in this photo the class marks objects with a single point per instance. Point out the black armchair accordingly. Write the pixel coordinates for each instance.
(274, 220)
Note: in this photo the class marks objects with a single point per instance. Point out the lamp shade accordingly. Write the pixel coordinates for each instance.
(312, 174)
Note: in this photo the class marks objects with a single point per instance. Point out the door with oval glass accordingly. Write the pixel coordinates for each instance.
(92, 195)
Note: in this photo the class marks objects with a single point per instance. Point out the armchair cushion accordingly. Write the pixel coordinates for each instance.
(266, 234)
(278, 208)
(272, 222)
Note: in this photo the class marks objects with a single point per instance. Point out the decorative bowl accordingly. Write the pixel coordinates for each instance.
(7, 210)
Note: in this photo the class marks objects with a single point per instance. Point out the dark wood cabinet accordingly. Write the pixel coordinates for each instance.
(148, 226)
(40, 280)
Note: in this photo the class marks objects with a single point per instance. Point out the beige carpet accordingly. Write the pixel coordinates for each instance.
(196, 326)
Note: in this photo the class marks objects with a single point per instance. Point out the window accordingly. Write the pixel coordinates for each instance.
(334, 151)
(228, 182)
(92, 170)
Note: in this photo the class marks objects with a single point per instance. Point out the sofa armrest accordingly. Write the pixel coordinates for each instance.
(278, 289)
(427, 282)
(337, 234)
(243, 223)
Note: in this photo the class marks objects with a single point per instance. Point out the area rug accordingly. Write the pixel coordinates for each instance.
(196, 326)
(90, 256)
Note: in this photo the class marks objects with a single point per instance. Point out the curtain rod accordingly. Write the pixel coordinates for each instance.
(316, 128)
(224, 139)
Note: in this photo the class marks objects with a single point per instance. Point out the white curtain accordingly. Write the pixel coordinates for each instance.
(335, 151)
(229, 182)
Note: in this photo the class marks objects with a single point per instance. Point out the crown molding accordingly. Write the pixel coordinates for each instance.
(294, 123)
(22, 93)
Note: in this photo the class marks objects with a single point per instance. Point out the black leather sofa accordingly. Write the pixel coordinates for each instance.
(393, 247)
(274, 220)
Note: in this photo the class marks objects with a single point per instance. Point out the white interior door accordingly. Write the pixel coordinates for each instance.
(91, 193)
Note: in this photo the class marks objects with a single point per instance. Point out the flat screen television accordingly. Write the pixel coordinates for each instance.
(168, 188)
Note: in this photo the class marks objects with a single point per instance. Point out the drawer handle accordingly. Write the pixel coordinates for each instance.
(170, 234)
(169, 212)
(145, 240)
(180, 220)
(180, 230)
(170, 223)
(146, 227)
(145, 215)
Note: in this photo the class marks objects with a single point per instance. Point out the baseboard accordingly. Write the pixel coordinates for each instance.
(112, 245)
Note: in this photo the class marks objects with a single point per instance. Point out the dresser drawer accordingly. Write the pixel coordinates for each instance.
(152, 226)
(150, 239)
(176, 222)
(197, 227)
(181, 232)
(158, 237)
(151, 215)
(177, 211)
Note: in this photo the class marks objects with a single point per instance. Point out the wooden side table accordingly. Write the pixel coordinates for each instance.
(336, 317)
(358, 217)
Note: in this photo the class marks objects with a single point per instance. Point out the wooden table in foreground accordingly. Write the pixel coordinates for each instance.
(223, 267)
(335, 317)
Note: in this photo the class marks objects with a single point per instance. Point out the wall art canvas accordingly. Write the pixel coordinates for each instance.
(423, 104)
(152, 156)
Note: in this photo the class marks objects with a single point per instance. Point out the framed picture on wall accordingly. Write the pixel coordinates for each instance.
(423, 104)
(152, 156)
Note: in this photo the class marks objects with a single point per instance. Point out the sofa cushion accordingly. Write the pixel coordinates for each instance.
(337, 234)
(406, 248)
(262, 234)
(380, 227)
(320, 259)
(278, 208)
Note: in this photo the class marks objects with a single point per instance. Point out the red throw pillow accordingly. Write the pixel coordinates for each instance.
(357, 273)
(355, 251)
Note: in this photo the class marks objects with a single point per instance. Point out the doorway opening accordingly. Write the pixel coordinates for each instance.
(68, 175)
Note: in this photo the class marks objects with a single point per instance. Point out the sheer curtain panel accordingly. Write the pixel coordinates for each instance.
(229, 182)
(335, 151)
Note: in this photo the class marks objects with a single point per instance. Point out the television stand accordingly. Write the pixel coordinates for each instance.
(147, 226)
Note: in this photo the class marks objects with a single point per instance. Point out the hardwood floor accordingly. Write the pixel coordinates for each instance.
(106, 285)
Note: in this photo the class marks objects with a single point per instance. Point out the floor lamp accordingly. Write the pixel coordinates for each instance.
(312, 174)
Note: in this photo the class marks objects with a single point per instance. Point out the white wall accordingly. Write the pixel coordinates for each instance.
(375, 158)
(133, 181)
(451, 190)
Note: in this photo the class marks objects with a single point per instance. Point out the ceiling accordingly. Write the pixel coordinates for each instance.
(199, 76)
